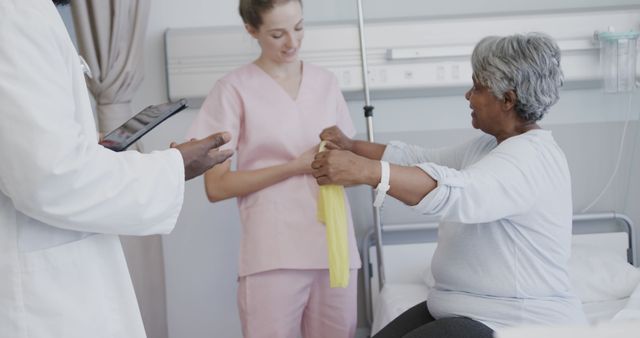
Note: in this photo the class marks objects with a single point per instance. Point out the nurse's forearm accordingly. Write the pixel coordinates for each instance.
(221, 186)
(369, 150)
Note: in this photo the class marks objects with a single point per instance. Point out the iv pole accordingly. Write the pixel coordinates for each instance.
(368, 115)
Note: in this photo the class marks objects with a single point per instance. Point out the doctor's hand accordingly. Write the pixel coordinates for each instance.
(200, 155)
(343, 167)
(336, 139)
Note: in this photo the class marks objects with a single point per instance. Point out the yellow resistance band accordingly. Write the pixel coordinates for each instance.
(332, 212)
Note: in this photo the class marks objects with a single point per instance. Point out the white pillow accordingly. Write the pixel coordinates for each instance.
(598, 275)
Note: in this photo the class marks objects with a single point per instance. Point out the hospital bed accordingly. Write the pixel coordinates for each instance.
(602, 268)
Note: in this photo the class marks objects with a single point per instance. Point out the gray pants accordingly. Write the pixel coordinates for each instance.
(417, 322)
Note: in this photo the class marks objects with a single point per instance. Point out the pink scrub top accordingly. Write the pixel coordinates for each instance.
(280, 229)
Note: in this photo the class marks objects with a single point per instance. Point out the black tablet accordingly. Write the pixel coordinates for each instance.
(141, 123)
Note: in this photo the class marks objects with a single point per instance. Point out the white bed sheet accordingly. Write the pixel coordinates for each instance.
(610, 319)
(396, 298)
(628, 329)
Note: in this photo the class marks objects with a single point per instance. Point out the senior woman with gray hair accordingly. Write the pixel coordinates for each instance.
(503, 199)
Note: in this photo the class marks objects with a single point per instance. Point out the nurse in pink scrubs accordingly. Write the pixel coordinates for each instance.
(275, 108)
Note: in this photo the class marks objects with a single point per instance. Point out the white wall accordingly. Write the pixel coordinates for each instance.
(329, 10)
(201, 254)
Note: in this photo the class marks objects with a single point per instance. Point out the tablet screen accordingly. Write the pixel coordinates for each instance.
(132, 130)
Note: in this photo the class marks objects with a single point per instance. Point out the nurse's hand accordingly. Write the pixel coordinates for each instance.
(201, 155)
(336, 139)
(343, 167)
(302, 164)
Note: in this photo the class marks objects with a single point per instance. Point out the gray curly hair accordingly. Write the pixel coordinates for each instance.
(529, 64)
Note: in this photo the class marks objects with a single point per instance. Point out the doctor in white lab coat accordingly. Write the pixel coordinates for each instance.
(63, 198)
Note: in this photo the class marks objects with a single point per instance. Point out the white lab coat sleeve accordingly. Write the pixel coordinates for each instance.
(500, 185)
(52, 168)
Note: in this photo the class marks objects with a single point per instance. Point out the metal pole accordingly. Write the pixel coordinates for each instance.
(368, 115)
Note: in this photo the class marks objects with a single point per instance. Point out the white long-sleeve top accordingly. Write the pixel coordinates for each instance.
(505, 234)
(63, 198)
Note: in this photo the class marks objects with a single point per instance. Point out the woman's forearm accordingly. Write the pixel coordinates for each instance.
(221, 185)
(369, 150)
(409, 184)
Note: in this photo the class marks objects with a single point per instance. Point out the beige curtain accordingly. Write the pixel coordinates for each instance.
(110, 36)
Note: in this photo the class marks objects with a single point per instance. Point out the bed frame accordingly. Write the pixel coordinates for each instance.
(426, 233)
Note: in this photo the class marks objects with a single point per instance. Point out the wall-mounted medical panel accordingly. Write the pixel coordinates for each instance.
(423, 57)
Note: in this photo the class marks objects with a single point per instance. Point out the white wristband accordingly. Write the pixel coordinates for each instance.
(383, 186)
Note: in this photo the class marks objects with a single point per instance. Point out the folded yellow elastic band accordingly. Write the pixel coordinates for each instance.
(332, 212)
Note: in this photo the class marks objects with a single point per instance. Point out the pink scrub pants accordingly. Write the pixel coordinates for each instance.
(284, 303)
